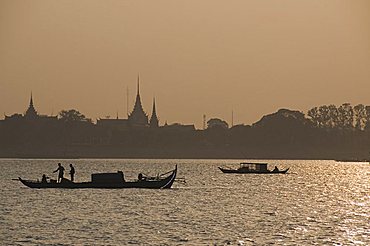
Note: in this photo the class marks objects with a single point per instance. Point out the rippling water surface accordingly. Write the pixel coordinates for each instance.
(318, 202)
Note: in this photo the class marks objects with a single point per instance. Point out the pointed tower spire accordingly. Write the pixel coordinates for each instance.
(154, 111)
(31, 112)
(154, 122)
(138, 84)
(138, 117)
(31, 100)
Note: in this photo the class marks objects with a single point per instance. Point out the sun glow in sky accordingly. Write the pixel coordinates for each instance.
(196, 57)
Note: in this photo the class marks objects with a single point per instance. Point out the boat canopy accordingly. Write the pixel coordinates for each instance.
(254, 166)
(107, 177)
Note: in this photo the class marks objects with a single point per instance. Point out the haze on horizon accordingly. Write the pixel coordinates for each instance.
(196, 57)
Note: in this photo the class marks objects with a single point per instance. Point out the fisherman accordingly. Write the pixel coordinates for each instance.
(61, 172)
(276, 169)
(72, 172)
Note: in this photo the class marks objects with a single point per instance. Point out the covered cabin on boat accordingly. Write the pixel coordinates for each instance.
(107, 178)
(259, 167)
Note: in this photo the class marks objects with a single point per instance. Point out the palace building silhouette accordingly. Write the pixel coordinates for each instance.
(137, 118)
(31, 115)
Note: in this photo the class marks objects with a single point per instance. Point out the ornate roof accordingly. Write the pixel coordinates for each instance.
(154, 122)
(138, 116)
(31, 111)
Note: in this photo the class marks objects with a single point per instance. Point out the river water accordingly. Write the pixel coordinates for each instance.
(317, 203)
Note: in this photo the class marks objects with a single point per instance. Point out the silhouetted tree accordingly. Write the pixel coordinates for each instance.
(360, 116)
(72, 115)
(215, 122)
(324, 113)
(314, 115)
(345, 113)
(343, 117)
(333, 116)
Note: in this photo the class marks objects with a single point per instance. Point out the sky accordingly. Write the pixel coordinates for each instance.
(196, 58)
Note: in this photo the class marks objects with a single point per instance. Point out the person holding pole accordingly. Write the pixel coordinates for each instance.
(60, 171)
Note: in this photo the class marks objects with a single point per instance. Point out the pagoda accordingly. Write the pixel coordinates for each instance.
(31, 115)
(138, 117)
(154, 122)
(31, 112)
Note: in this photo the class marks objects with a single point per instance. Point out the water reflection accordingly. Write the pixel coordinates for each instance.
(320, 202)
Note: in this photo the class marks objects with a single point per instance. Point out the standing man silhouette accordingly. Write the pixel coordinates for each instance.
(61, 172)
(72, 172)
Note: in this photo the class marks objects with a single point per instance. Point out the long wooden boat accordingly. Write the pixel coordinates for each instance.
(108, 181)
(352, 160)
(256, 168)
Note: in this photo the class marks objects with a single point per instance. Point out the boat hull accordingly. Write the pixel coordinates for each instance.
(164, 183)
(225, 170)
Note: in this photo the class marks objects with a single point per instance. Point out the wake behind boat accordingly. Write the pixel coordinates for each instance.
(108, 181)
(257, 168)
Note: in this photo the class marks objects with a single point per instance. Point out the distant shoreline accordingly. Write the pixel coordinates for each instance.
(173, 158)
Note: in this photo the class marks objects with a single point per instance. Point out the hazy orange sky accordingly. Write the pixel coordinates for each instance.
(196, 57)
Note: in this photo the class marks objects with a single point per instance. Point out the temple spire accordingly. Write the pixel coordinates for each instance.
(31, 112)
(138, 84)
(31, 100)
(138, 116)
(154, 111)
(154, 122)
(138, 106)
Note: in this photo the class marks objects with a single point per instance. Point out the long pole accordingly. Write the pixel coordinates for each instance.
(232, 118)
(127, 101)
(204, 121)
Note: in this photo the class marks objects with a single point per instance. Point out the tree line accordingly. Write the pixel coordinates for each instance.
(330, 116)
(326, 131)
(345, 116)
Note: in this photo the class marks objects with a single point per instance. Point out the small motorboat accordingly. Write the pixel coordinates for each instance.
(108, 181)
(257, 168)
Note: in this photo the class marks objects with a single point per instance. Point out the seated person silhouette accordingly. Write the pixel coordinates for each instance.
(276, 169)
(141, 177)
(44, 179)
